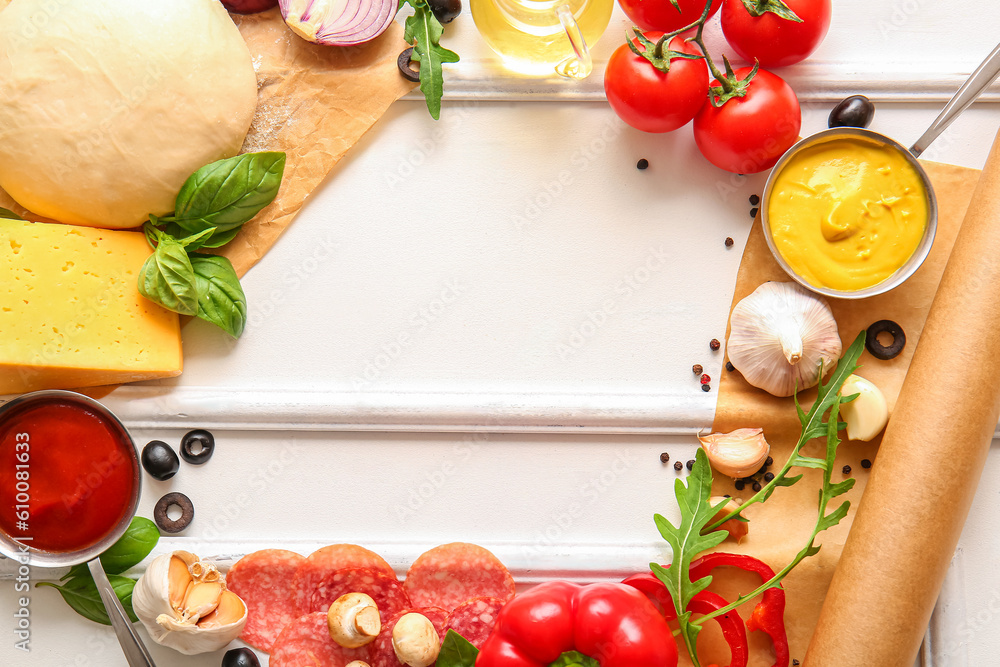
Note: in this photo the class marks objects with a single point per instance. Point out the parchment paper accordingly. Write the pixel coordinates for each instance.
(780, 527)
(313, 102)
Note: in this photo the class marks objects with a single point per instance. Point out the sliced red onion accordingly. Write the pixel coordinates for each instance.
(338, 22)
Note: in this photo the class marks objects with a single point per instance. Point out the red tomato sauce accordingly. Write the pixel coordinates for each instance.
(66, 476)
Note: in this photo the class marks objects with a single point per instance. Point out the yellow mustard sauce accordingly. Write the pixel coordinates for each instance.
(847, 213)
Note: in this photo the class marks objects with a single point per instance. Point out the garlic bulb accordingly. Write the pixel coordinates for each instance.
(185, 605)
(778, 336)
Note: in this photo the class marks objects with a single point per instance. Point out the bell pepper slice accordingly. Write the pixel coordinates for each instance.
(705, 602)
(612, 623)
(769, 614)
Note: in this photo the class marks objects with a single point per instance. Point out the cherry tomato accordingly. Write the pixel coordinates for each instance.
(651, 100)
(748, 134)
(774, 41)
(662, 15)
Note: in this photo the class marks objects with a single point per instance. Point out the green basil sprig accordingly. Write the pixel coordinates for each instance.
(423, 30)
(221, 300)
(81, 594)
(80, 591)
(456, 651)
(167, 277)
(224, 195)
(9, 215)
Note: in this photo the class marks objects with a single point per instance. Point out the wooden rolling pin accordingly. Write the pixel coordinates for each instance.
(930, 461)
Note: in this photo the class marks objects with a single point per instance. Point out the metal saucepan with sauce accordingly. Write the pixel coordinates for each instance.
(851, 213)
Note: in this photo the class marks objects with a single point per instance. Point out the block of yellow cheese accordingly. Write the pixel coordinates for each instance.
(70, 310)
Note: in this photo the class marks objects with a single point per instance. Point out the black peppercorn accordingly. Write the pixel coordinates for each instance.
(730, 367)
(690, 464)
(866, 464)
(846, 470)
(753, 213)
(714, 344)
(729, 241)
(706, 387)
(756, 486)
(768, 476)
(795, 662)
(697, 369)
(739, 484)
(642, 164)
(678, 466)
(664, 457)
(754, 200)
(769, 462)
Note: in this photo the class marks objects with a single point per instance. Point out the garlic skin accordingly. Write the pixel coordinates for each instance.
(184, 604)
(779, 334)
(867, 414)
(739, 453)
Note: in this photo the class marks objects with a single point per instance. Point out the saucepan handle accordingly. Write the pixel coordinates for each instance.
(966, 95)
(135, 651)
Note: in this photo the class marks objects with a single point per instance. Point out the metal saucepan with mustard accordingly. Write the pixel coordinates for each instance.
(849, 212)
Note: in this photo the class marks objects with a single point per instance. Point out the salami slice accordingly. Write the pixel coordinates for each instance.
(475, 618)
(305, 642)
(387, 592)
(263, 580)
(382, 652)
(322, 562)
(448, 575)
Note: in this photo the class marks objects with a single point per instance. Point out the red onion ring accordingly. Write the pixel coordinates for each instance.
(338, 22)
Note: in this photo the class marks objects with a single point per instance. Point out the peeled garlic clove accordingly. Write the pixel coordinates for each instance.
(867, 414)
(737, 529)
(737, 454)
(353, 620)
(184, 604)
(778, 336)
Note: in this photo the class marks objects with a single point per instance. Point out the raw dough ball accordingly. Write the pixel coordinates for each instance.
(107, 106)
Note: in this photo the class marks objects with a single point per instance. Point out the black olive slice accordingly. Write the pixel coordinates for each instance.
(877, 349)
(197, 446)
(160, 460)
(164, 522)
(240, 657)
(403, 62)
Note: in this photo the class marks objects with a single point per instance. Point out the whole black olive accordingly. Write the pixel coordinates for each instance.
(160, 460)
(197, 446)
(240, 657)
(445, 10)
(854, 111)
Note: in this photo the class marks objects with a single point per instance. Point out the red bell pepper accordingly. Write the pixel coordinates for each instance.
(612, 623)
(704, 602)
(769, 614)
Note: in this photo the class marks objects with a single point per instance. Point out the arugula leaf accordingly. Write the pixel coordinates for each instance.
(456, 651)
(423, 30)
(9, 215)
(221, 300)
(137, 543)
(81, 594)
(167, 277)
(574, 659)
(226, 194)
(687, 540)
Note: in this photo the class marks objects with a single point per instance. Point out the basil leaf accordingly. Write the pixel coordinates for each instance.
(195, 241)
(9, 215)
(215, 240)
(81, 594)
(227, 193)
(137, 543)
(456, 651)
(220, 296)
(575, 659)
(423, 30)
(167, 278)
